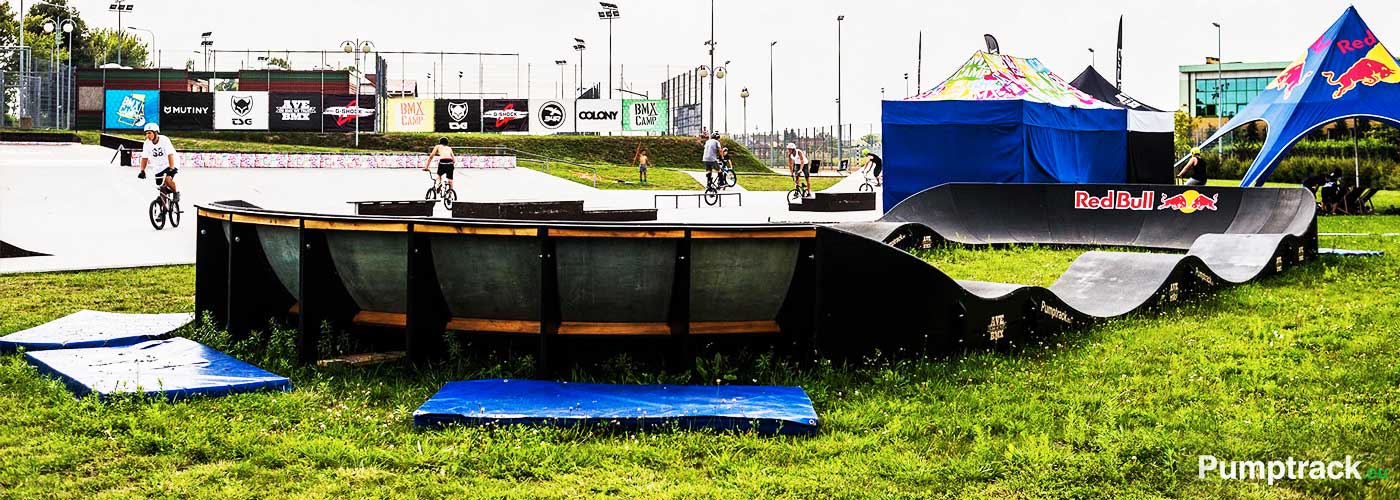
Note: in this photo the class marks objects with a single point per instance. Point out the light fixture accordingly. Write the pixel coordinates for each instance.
(744, 93)
(702, 71)
(347, 46)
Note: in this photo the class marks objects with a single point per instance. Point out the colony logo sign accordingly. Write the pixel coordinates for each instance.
(552, 115)
(1375, 67)
(1186, 202)
(598, 115)
(241, 110)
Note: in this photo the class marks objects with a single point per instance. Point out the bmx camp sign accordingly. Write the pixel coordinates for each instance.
(645, 115)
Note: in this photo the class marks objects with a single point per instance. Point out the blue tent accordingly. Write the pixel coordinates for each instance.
(1001, 119)
(1346, 73)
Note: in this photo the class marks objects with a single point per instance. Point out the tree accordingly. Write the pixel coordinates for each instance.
(9, 36)
(279, 62)
(42, 43)
(104, 47)
(870, 138)
(1181, 124)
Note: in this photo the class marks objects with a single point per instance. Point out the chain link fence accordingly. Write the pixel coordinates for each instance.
(820, 144)
(41, 98)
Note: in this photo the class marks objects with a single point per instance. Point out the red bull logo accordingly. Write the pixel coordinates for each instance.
(1291, 77)
(1189, 201)
(1376, 67)
(1114, 200)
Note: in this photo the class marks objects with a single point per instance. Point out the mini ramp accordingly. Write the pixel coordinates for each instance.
(572, 285)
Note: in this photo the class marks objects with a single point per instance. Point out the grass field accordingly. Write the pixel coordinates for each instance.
(1302, 365)
(756, 182)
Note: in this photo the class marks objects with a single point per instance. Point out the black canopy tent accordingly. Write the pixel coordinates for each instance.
(1150, 130)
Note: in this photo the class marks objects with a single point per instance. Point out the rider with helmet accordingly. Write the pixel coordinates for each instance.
(797, 160)
(446, 161)
(158, 148)
(711, 158)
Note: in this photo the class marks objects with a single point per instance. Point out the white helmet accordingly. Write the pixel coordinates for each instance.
(152, 127)
(791, 146)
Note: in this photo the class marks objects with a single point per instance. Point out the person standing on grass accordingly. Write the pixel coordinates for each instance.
(1197, 166)
(642, 163)
(711, 158)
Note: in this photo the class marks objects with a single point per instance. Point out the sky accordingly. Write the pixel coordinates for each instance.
(655, 38)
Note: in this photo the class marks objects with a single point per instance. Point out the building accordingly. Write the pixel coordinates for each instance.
(1240, 82)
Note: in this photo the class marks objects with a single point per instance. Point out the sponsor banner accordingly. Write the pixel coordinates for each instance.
(240, 110)
(1186, 202)
(598, 115)
(505, 115)
(457, 115)
(550, 116)
(131, 109)
(644, 115)
(294, 111)
(186, 110)
(409, 115)
(341, 110)
(207, 159)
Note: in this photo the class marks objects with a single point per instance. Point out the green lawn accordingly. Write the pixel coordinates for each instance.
(1385, 201)
(758, 182)
(1302, 365)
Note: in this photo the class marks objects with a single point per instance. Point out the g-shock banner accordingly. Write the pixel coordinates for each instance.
(505, 115)
(342, 110)
(457, 115)
(186, 110)
(299, 111)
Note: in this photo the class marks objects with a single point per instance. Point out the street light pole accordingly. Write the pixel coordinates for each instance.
(726, 99)
(153, 42)
(744, 95)
(906, 85)
(578, 45)
(1093, 61)
(772, 131)
(712, 66)
(1219, 95)
(609, 12)
(840, 151)
(561, 63)
(358, 48)
(120, 7)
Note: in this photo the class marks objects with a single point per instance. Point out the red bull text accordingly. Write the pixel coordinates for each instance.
(1185, 202)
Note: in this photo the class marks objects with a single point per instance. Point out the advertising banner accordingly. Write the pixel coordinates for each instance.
(186, 110)
(505, 115)
(409, 115)
(457, 115)
(550, 116)
(240, 110)
(341, 112)
(295, 111)
(598, 115)
(128, 109)
(644, 115)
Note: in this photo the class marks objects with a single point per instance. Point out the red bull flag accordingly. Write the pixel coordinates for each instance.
(1345, 73)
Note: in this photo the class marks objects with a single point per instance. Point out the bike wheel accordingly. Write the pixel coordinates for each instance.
(431, 194)
(448, 198)
(174, 214)
(711, 196)
(794, 196)
(157, 220)
(732, 179)
(866, 188)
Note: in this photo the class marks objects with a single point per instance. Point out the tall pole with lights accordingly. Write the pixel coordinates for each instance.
(772, 131)
(120, 7)
(578, 45)
(744, 96)
(839, 147)
(153, 42)
(561, 63)
(359, 48)
(1093, 61)
(204, 43)
(609, 13)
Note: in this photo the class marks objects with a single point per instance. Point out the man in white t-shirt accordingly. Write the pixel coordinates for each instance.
(157, 148)
(798, 164)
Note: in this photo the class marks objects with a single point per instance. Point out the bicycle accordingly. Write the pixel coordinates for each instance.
(867, 187)
(441, 190)
(800, 190)
(726, 179)
(164, 207)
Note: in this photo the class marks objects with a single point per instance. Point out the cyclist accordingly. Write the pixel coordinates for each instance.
(797, 159)
(158, 147)
(711, 158)
(446, 161)
(1197, 166)
(874, 165)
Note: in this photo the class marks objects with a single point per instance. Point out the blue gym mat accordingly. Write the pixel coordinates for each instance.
(761, 409)
(85, 329)
(174, 368)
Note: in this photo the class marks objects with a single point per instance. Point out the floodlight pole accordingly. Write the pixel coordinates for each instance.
(1219, 92)
(840, 150)
(772, 131)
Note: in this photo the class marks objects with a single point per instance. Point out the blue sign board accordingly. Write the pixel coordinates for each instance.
(131, 109)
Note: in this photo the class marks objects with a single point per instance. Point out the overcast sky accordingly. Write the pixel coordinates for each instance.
(878, 40)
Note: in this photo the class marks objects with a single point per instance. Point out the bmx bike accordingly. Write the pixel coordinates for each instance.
(440, 191)
(800, 190)
(164, 207)
(726, 179)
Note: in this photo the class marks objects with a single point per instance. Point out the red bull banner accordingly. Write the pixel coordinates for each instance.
(1186, 202)
(1347, 72)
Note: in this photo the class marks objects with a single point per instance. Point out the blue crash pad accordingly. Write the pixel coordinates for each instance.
(94, 329)
(762, 409)
(175, 368)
